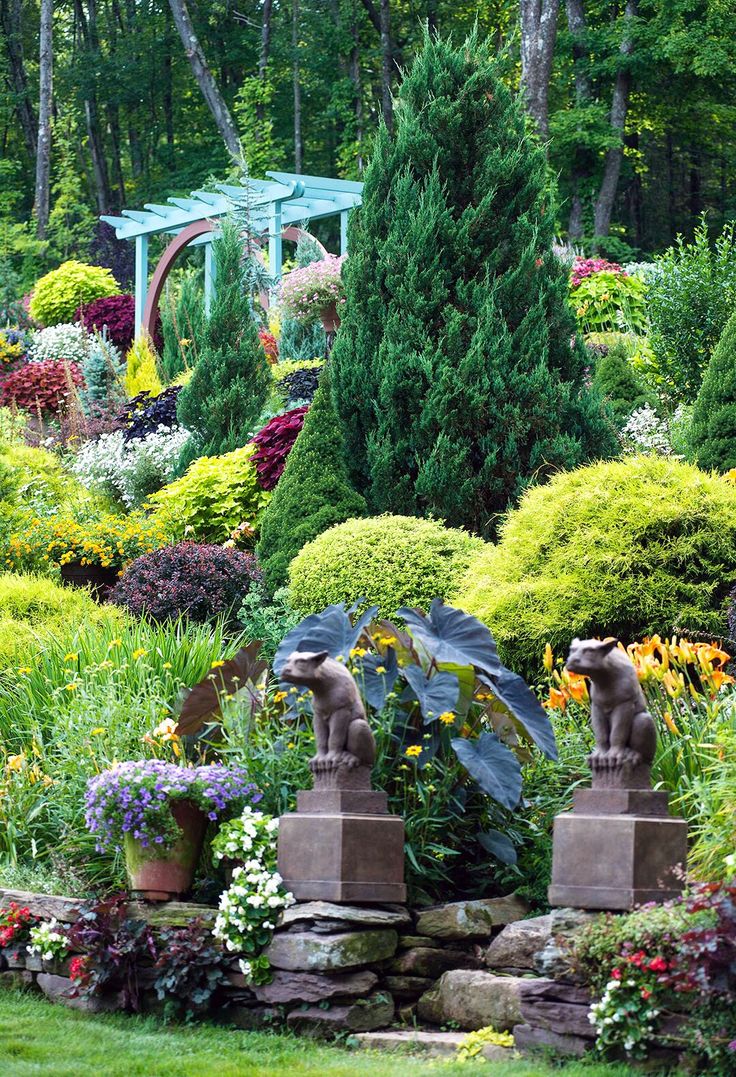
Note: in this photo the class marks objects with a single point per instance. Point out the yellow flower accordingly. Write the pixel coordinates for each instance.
(139, 653)
(71, 687)
(24, 669)
(291, 744)
(166, 665)
(15, 762)
(279, 696)
(358, 652)
(114, 643)
(217, 663)
(447, 717)
(413, 751)
(549, 658)
(380, 669)
(97, 731)
(71, 657)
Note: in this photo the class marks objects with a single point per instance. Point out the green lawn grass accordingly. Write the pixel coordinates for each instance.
(37, 1037)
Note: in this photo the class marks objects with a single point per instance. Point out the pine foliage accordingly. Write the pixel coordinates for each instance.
(616, 381)
(228, 389)
(313, 493)
(182, 322)
(458, 377)
(713, 430)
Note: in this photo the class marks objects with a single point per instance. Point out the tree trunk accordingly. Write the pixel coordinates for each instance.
(387, 65)
(263, 59)
(88, 32)
(11, 24)
(619, 107)
(203, 75)
(298, 148)
(43, 152)
(581, 162)
(538, 34)
(357, 81)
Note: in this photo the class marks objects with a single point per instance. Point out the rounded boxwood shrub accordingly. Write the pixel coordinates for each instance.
(387, 561)
(626, 548)
(215, 497)
(196, 581)
(58, 294)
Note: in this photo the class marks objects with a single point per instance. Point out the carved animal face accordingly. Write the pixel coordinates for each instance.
(301, 666)
(589, 656)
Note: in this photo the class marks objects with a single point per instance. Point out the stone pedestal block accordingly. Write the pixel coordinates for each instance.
(604, 858)
(342, 857)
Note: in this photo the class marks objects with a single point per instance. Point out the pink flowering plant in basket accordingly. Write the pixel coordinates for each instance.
(306, 292)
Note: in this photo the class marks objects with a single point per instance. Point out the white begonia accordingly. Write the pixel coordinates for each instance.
(65, 341)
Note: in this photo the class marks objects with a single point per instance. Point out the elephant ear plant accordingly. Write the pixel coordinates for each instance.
(447, 688)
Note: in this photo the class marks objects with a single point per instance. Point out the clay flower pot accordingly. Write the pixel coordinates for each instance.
(99, 580)
(330, 318)
(164, 874)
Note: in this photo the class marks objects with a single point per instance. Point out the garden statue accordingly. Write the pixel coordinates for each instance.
(341, 731)
(619, 846)
(625, 734)
(341, 844)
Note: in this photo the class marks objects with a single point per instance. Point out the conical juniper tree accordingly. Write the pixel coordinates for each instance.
(458, 376)
(231, 380)
(713, 429)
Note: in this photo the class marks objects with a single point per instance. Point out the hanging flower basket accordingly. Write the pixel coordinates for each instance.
(314, 291)
(330, 318)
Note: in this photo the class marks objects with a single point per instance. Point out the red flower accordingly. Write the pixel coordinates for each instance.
(645, 994)
(616, 974)
(637, 959)
(658, 964)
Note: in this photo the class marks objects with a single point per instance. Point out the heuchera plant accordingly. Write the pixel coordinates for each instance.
(585, 267)
(135, 798)
(190, 968)
(306, 292)
(113, 947)
(44, 386)
(115, 313)
(274, 443)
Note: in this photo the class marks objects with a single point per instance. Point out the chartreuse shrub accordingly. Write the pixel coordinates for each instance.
(142, 369)
(628, 548)
(35, 476)
(218, 497)
(389, 561)
(457, 373)
(57, 295)
(313, 494)
(713, 429)
(34, 609)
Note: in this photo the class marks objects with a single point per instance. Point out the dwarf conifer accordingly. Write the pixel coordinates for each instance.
(616, 381)
(713, 430)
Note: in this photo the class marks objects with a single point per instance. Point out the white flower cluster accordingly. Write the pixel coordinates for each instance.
(645, 432)
(616, 1021)
(65, 341)
(130, 471)
(46, 941)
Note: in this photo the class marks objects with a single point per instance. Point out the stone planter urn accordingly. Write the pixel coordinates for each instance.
(166, 874)
(330, 319)
(99, 580)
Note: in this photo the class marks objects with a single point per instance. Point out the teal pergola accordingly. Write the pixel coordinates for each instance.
(281, 202)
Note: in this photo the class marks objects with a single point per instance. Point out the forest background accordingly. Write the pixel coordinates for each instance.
(112, 103)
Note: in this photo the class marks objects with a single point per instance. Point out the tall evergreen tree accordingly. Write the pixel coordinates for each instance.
(713, 429)
(231, 380)
(457, 372)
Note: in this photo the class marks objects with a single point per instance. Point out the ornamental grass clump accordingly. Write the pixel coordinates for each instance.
(306, 292)
(135, 798)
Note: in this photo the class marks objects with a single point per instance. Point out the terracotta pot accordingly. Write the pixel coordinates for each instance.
(162, 875)
(99, 580)
(330, 318)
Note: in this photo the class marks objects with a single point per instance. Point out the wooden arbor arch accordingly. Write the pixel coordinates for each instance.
(173, 250)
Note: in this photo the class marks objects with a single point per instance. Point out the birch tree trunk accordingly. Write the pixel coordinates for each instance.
(12, 28)
(619, 107)
(538, 34)
(203, 75)
(43, 151)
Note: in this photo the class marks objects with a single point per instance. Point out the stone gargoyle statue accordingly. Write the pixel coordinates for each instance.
(341, 730)
(625, 734)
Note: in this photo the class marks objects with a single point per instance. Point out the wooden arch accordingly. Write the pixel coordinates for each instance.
(173, 250)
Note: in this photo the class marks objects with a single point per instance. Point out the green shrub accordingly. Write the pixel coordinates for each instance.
(387, 561)
(627, 548)
(690, 299)
(713, 428)
(616, 381)
(313, 494)
(214, 497)
(36, 477)
(609, 302)
(182, 324)
(57, 295)
(35, 610)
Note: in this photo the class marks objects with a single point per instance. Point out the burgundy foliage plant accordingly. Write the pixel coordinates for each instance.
(45, 386)
(116, 314)
(274, 443)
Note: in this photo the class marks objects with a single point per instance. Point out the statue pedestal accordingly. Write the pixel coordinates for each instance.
(616, 849)
(342, 845)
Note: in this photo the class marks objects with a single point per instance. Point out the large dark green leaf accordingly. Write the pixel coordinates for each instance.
(435, 694)
(514, 693)
(450, 635)
(331, 631)
(375, 685)
(201, 704)
(496, 770)
(498, 845)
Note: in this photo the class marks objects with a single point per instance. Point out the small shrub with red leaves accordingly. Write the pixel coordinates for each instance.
(45, 386)
(116, 314)
(270, 345)
(196, 581)
(274, 443)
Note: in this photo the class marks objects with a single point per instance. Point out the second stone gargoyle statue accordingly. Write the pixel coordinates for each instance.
(341, 731)
(625, 734)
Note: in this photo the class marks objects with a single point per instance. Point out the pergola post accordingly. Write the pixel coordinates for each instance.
(275, 243)
(209, 276)
(344, 217)
(141, 279)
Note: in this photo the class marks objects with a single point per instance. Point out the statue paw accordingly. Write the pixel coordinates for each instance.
(347, 759)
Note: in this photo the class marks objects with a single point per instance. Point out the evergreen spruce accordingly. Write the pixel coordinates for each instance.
(313, 493)
(103, 369)
(616, 381)
(713, 430)
(458, 376)
(221, 403)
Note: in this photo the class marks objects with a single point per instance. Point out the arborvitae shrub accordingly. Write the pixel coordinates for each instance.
(57, 295)
(228, 389)
(458, 377)
(616, 381)
(626, 549)
(313, 493)
(713, 430)
(142, 369)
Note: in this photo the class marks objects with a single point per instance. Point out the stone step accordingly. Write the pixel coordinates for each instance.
(430, 1044)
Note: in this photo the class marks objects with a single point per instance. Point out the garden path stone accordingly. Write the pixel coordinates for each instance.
(473, 1000)
(425, 961)
(471, 919)
(307, 952)
(313, 987)
(518, 943)
(376, 1011)
(378, 916)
